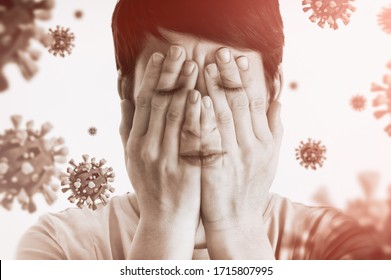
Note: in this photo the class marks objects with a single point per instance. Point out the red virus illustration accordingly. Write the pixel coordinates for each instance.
(62, 41)
(370, 212)
(311, 154)
(92, 131)
(329, 11)
(384, 19)
(28, 163)
(293, 85)
(89, 182)
(17, 29)
(358, 103)
(384, 99)
(78, 14)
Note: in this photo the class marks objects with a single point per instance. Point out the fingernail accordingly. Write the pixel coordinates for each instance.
(212, 70)
(188, 68)
(207, 102)
(175, 52)
(157, 59)
(224, 55)
(194, 96)
(242, 63)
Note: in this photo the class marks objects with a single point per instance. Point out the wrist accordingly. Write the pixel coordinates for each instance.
(239, 242)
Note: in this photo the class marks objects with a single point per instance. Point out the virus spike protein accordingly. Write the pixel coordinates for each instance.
(27, 164)
(311, 154)
(329, 11)
(88, 181)
(17, 29)
(384, 20)
(383, 99)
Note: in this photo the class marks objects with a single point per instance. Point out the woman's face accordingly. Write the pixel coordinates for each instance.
(203, 53)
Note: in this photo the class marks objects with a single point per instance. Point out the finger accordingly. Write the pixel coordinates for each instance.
(236, 97)
(157, 122)
(255, 88)
(224, 119)
(230, 77)
(171, 68)
(127, 110)
(208, 119)
(275, 123)
(191, 124)
(176, 111)
(143, 100)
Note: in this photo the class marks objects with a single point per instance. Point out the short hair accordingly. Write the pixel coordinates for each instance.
(248, 24)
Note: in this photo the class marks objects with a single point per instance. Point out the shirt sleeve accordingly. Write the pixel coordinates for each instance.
(39, 242)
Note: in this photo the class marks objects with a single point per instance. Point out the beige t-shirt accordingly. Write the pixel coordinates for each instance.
(295, 231)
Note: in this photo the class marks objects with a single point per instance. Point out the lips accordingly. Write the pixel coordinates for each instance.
(202, 158)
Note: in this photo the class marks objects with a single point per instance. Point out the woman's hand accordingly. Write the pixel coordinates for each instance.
(236, 189)
(168, 190)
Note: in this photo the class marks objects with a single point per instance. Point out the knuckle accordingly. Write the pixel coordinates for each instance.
(173, 116)
(165, 167)
(188, 132)
(158, 102)
(142, 102)
(224, 118)
(258, 104)
(240, 102)
(148, 156)
(190, 116)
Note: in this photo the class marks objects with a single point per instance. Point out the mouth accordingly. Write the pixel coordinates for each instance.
(202, 158)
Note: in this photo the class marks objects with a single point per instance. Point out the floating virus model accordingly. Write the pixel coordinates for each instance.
(27, 164)
(358, 103)
(293, 85)
(372, 213)
(311, 154)
(17, 28)
(88, 181)
(78, 14)
(369, 212)
(62, 41)
(383, 99)
(384, 19)
(92, 131)
(329, 11)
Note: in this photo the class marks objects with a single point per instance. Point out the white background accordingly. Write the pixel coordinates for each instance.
(79, 91)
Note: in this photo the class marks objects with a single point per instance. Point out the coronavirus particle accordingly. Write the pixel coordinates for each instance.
(18, 28)
(62, 41)
(311, 154)
(384, 19)
(358, 102)
(89, 182)
(28, 163)
(293, 85)
(78, 14)
(92, 131)
(384, 99)
(329, 11)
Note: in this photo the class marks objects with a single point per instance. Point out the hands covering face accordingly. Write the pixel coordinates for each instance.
(228, 185)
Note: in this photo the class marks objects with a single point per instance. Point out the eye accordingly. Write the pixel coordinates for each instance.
(233, 90)
(168, 92)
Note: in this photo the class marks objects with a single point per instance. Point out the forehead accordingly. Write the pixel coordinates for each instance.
(198, 49)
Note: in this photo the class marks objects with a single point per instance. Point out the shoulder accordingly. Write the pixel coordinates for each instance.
(319, 232)
(73, 232)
